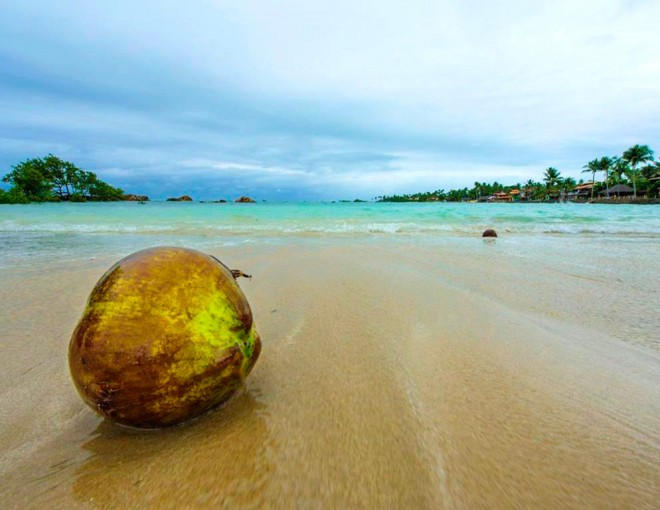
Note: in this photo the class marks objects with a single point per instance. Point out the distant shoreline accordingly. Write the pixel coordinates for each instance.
(597, 201)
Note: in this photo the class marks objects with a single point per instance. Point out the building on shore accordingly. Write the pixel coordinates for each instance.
(501, 196)
(581, 193)
(620, 190)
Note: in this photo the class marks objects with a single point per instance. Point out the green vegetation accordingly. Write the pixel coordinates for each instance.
(551, 177)
(634, 156)
(51, 179)
(635, 167)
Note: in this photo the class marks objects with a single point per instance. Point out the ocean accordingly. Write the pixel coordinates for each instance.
(62, 231)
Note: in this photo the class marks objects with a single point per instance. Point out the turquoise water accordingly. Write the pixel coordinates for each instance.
(70, 231)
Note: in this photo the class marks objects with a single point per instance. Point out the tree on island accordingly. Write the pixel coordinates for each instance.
(651, 173)
(634, 156)
(51, 179)
(620, 168)
(530, 188)
(567, 184)
(551, 177)
(593, 166)
(604, 165)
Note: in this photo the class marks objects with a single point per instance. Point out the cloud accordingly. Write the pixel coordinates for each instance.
(306, 100)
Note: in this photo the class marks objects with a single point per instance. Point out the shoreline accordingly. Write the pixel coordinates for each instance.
(147, 201)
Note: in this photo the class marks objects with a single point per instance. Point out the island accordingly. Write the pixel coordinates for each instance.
(51, 179)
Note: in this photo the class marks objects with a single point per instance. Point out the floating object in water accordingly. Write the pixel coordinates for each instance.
(489, 233)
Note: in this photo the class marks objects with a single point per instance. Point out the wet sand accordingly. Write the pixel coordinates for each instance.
(392, 376)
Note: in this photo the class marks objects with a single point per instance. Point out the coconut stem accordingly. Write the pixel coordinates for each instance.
(237, 273)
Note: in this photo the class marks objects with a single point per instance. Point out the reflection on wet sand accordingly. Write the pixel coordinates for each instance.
(219, 458)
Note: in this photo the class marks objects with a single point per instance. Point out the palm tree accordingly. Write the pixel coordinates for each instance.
(568, 183)
(619, 167)
(529, 189)
(604, 165)
(634, 156)
(650, 170)
(652, 173)
(593, 166)
(551, 177)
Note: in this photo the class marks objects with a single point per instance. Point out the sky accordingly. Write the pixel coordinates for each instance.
(300, 100)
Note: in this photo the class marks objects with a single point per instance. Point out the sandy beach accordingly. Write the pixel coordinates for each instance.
(393, 375)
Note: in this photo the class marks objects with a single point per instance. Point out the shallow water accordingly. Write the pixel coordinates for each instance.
(339, 218)
(41, 231)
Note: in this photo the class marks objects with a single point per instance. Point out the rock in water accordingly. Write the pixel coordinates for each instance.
(135, 198)
(489, 233)
(166, 335)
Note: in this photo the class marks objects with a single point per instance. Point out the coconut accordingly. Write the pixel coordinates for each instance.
(166, 335)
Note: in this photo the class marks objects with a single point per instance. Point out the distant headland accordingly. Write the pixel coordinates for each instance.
(633, 177)
(51, 179)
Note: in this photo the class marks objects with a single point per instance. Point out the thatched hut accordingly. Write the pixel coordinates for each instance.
(620, 190)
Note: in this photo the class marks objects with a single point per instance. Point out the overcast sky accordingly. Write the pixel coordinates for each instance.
(300, 99)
